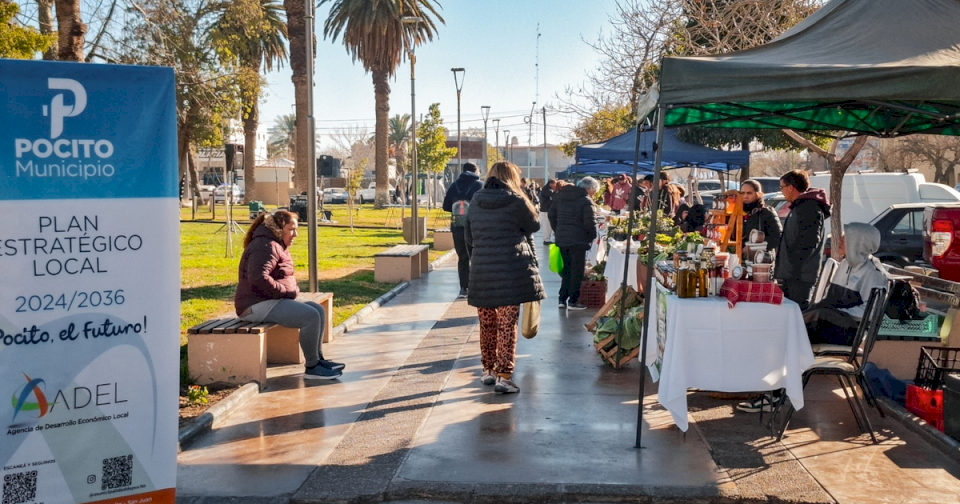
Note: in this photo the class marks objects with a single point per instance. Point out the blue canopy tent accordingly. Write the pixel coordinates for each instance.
(675, 154)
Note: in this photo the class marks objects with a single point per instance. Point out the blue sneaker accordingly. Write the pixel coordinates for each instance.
(320, 372)
(336, 366)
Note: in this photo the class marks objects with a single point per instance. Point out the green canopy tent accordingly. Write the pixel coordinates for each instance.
(877, 67)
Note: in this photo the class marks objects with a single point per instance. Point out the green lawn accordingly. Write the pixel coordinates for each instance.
(363, 215)
(344, 257)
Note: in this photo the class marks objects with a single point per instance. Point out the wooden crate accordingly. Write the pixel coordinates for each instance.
(613, 301)
(608, 350)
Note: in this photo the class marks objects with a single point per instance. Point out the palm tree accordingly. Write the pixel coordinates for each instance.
(374, 33)
(399, 137)
(251, 33)
(283, 140)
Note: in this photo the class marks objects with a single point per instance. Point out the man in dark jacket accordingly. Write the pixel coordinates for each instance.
(546, 200)
(801, 245)
(459, 192)
(573, 218)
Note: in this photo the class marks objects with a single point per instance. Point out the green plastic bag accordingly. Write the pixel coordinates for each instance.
(556, 260)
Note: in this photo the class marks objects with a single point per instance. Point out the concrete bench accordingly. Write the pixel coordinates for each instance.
(442, 239)
(227, 349)
(402, 262)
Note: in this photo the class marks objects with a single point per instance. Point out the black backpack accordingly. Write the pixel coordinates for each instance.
(904, 302)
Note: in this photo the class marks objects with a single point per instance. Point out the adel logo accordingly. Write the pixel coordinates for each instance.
(22, 400)
(32, 398)
(72, 158)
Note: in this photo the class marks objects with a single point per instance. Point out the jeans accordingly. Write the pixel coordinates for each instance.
(574, 262)
(545, 227)
(797, 291)
(463, 256)
(309, 317)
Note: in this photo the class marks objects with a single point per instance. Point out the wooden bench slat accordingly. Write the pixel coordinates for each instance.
(403, 251)
(252, 327)
(229, 327)
(220, 323)
(199, 328)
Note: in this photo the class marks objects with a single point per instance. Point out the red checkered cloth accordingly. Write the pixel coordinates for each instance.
(750, 292)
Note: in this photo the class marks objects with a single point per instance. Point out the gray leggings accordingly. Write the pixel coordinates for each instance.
(309, 317)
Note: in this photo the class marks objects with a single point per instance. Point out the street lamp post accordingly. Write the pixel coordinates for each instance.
(506, 145)
(459, 84)
(485, 112)
(414, 214)
(312, 153)
(496, 133)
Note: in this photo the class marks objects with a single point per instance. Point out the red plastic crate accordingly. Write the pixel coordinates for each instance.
(926, 404)
(593, 293)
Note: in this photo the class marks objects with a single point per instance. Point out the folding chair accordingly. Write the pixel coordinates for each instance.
(850, 367)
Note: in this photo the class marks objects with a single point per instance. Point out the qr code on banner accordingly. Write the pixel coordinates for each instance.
(19, 487)
(117, 472)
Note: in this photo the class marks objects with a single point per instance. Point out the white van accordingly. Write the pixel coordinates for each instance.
(866, 195)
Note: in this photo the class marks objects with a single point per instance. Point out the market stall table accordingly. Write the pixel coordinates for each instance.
(709, 346)
(614, 269)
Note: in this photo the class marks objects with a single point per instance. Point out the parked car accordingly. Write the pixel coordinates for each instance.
(369, 194)
(866, 195)
(941, 243)
(205, 192)
(236, 194)
(335, 195)
(768, 185)
(901, 234)
(715, 185)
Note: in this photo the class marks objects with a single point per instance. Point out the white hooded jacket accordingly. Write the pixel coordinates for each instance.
(860, 271)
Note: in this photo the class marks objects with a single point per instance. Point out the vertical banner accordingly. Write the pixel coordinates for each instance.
(89, 283)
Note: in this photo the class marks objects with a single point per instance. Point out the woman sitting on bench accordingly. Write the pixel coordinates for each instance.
(267, 289)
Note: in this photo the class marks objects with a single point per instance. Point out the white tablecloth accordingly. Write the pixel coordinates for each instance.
(751, 347)
(614, 270)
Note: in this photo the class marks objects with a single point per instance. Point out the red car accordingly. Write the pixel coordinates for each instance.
(941, 239)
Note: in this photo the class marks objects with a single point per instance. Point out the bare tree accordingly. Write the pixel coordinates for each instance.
(46, 26)
(838, 167)
(71, 29)
(942, 153)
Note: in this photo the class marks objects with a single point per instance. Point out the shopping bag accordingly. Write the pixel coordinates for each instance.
(530, 319)
(556, 261)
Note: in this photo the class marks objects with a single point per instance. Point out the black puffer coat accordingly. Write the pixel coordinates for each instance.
(503, 264)
(764, 219)
(573, 217)
(801, 244)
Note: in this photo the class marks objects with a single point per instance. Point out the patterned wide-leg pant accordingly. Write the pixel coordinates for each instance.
(498, 338)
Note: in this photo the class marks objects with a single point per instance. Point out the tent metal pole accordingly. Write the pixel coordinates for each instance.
(648, 289)
(631, 208)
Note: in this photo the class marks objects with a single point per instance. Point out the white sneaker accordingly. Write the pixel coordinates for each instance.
(489, 377)
(505, 386)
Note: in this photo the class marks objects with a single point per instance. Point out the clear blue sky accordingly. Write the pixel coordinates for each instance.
(494, 40)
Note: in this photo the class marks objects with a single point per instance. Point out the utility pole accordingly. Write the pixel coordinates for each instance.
(459, 85)
(485, 113)
(312, 150)
(546, 160)
(496, 133)
(506, 146)
(529, 120)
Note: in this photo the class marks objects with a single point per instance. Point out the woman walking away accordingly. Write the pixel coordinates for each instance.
(503, 269)
(573, 216)
(267, 290)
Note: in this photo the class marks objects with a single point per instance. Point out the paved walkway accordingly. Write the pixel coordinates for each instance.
(410, 420)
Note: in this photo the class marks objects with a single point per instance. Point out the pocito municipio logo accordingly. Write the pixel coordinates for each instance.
(56, 157)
